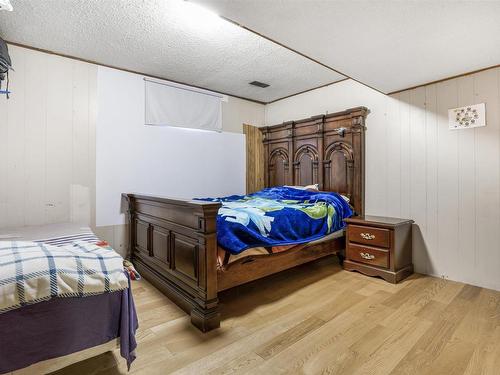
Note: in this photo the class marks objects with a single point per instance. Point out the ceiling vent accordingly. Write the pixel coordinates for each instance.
(259, 84)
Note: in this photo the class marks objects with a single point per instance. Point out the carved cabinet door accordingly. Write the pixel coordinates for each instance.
(278, 167)
(338, 168)
(306, 166)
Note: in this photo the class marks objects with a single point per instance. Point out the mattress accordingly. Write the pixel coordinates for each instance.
(62, 326)
(225, 258)
(49, 232)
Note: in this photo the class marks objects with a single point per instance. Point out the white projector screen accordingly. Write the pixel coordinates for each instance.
(168, 105)
(172, 162)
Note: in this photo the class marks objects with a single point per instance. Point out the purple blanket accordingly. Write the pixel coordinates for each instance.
(63, 326)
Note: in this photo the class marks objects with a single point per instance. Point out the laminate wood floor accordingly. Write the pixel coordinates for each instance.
(319, 319)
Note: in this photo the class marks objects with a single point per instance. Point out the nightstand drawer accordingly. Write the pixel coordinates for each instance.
(369, 235)
(368, 255)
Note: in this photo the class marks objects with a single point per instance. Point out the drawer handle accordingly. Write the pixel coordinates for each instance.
(367, 256)
(367, 236)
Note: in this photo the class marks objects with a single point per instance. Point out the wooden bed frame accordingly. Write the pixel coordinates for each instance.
(173, 242)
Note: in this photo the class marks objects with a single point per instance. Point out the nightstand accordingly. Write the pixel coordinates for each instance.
(379, 246)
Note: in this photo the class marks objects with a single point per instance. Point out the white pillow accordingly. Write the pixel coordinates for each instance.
(315, 187)
(308, 187)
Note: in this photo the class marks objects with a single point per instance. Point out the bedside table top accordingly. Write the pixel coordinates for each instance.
(377, 220)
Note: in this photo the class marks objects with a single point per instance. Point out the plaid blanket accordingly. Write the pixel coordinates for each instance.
(32, 272)
(86, 236)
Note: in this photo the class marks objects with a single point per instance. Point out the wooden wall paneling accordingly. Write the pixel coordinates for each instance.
(447, 181)
(418, 151)
(35, 142)
(47, 133)
(92, 109)
(376, 164)
(80, 200)
(16, 150)
(466, 183)
(59, 138)
(250, 156)
(393, 142)
(431, 140)
(405, 145)
(487, 180)
(4, 120)
(381, 196)
(255, 159)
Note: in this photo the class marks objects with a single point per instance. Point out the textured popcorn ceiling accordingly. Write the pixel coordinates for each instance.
(165, 38)
(387, 44)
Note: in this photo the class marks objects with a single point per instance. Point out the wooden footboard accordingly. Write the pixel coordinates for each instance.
(173, 244)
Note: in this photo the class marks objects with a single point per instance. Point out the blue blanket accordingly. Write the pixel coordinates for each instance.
(278, 216)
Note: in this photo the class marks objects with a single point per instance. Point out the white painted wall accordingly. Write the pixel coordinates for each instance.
(158, 160)
(447, 181)
(236, 112)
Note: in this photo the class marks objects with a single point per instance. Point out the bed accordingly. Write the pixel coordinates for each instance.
(41, 337)
(174, 243)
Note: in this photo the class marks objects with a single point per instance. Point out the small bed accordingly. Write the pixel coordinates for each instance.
(41, 337)
(178, 245)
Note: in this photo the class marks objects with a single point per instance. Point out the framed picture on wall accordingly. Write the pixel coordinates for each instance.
(471, 116)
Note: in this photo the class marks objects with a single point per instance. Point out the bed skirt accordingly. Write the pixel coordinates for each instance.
(62, 326)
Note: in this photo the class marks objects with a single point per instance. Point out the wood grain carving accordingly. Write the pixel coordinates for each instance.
(338, 168)
(327, 150)
(279, 167)
(306, 165)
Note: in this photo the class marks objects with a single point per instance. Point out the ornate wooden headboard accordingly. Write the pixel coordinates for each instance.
(327, 150)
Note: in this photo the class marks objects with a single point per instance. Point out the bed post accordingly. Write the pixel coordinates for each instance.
(174, 246)
(128, 209)
(265, 134)
(205, 315)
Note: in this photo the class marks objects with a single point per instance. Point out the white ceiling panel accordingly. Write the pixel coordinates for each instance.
(168, 39)
(389, 45)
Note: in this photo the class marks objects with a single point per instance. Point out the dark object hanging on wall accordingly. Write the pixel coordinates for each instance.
(5, 66)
